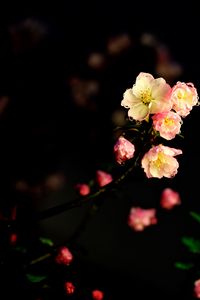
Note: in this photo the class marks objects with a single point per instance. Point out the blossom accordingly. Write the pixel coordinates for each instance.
(140, 218)
(159, 161)
(97, 295)
(147, 96)
(83, 189)
(103, 178)
(69, 287)
(168, 124)
(64, 256)
(123, 150)
(169, 198)
(197, 288)
(184, 96)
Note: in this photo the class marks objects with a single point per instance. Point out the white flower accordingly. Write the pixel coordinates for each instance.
(147, 96)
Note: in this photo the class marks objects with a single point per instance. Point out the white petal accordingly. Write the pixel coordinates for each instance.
(159, 88)
(157, 106)
(138, 111)
(129, 99)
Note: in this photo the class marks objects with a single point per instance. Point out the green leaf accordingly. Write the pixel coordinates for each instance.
(192, 244)
(183, 266)
(46, 241)
(195, 216)
(35, 278)
(21, 249)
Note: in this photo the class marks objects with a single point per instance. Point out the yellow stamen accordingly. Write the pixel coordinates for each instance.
(146, 96)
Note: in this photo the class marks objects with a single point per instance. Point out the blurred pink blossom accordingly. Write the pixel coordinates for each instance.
(97, 295)
(197, 288)
(169, 198)
(140, 218)
(69, 287)
(103, 178)
(83, 189)
(64, 256)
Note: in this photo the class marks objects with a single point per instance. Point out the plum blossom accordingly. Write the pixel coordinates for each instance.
(64, 256)
(159, 162)
(97, 295)
(140, 218)
(184, 96)
(168, 124)
(69, 287)
(103, 178)
(169, 198)
(197, 288)
(123, 150)
(147, 96)
(84, 189)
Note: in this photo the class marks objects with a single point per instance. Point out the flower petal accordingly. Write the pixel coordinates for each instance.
(138, 111)
(129, 99)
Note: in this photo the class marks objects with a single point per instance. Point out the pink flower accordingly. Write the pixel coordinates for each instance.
(64, 256)
(147, 96)
(123, 150)
(69, 288)
(169, 198)
(140, 218)
(83, 189)
(97, 295)
(197, 288)
(184, 96)
(167, 123)
(103, 178)
(159, 161)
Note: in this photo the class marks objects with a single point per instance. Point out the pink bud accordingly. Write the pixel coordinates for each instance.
(97, 295)
(103, 178)
(123, 150)
(69, 288)
(197, 288)
(64, 256)
(169, 198)
(83, 189)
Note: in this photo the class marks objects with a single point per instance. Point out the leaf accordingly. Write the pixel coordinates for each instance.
(192, 244)
(195, 216)
(35, 278)
(183, 266)
(21, 249)
(46, 241)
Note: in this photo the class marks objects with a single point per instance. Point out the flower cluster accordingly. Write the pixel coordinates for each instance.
(153, 101)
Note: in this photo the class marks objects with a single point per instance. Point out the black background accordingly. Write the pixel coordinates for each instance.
(40, 133)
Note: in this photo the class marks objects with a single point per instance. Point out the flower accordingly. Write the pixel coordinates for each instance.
(97, 295)
(69, 287)
(169, 198)
(123, 150)
(159, 161)
(103, 178)
(197, 288)
(140, 218)
(64, 256)
(83, 189)
(184, 96)
(147, 96)
(167, 123)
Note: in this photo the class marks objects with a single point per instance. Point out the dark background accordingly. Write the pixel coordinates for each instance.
(43, 131)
